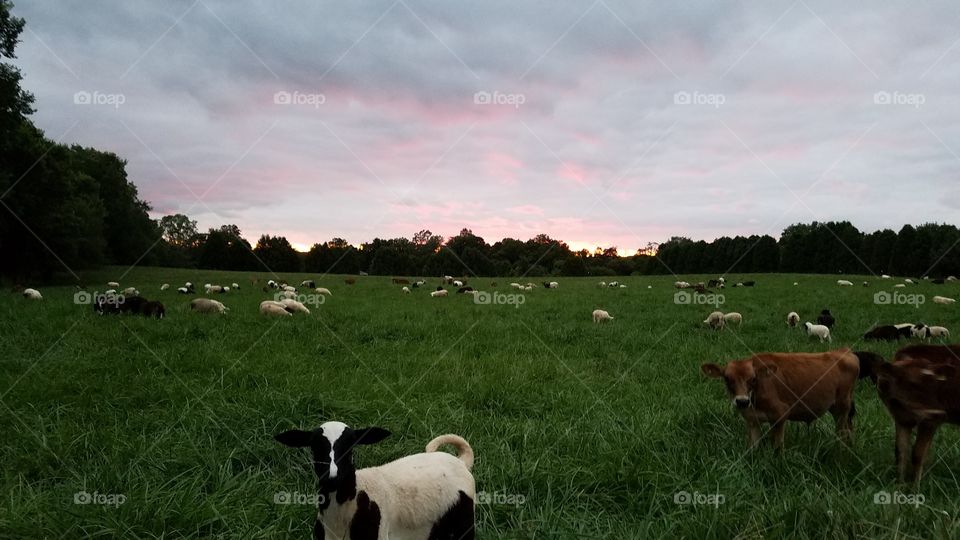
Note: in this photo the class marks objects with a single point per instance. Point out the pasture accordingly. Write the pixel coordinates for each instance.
(581, 430)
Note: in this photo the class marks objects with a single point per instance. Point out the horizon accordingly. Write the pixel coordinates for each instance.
(600, 124)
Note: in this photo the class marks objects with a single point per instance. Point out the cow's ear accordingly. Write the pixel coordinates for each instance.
(712, 370)
(295, 438)
(370, 435)
(766, 369)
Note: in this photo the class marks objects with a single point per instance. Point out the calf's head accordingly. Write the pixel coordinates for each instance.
(332, 447)
(741, 378)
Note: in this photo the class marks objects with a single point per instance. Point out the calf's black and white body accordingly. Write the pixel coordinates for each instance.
(423, 496)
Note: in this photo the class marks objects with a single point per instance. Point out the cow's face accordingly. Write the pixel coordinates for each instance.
(741, 378)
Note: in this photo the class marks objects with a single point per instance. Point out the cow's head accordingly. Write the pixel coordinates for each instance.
(741, 378)
(332, 446)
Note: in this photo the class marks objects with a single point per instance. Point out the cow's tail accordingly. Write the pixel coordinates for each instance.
(464, 452)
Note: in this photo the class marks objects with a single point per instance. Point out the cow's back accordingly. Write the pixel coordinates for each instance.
(810, 383)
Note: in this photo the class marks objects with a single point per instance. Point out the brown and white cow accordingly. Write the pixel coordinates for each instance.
(921, 390)
(771, 388)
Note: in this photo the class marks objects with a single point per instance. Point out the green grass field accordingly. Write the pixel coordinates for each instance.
(581, 430)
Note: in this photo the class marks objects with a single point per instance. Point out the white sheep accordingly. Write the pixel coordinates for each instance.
(131, 291)
(437, 294)
(516, 285)
(113, 284)
(430, 494)
(288, 288)
(457, 283)
(622, 286)
(601, 316)
(844, 283)
(272, 284)
(183, 290)
(819, 331)
(733, 318)
(715, 320)
(110, 292)
(908, 280)
(554, 285)
(323, 290)
(235, 286)
(884, 276)
(269, 307)
(613, 284)
(405, 289)
(32, 294)
(294, 306)
(206, 305)
(793, 319)
(943, 300)
(165, 286)
(601, 284)
(899, 286)
(212, 289)
(937, 331)
(951, 278)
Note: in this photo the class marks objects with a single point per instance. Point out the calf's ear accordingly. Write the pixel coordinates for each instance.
(712, 370)
(294, 438)
(370, 435)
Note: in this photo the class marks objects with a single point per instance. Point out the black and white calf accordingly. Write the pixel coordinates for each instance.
(428, 495)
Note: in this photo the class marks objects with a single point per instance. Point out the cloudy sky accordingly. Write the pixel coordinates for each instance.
(600, 123)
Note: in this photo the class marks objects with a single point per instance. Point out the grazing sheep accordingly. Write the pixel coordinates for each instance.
(308, 283)
(926, 332)
(516, 285)
(884, 276)
(622, 286)
(457, 283)
(793, 319)
(165, 286)
(272, 284)
(294, 306)
(550, 285)
(601, 284)
(275, 309)
(943, 300)
(899, 286)
(32, 294)
(419, 283)
(795, 283)
(885, 332)
(844, 283)
(131, 291)
(819, 331)
(600, 316)
(405, 289)
(323, 290)
(715, 320)
(426, 495)
(463, 290)
(826, 319)
(235, 286)
(681, 284)
(153, 308)
(733, 318)
(288, 288)
(184, 290)
(437, 294)
(951, 278)
(206, 305)
(910, 281)
(613, 284)
(113, 284)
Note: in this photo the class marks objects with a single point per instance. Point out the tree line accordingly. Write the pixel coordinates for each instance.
(65, 208)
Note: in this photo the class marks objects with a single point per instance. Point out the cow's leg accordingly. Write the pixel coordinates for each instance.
(925, 434)
(842, 415)
(776, 435)
(753, 434)
(901, 447)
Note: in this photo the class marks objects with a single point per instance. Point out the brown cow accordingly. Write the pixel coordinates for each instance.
(776, 387)
(920, 390)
